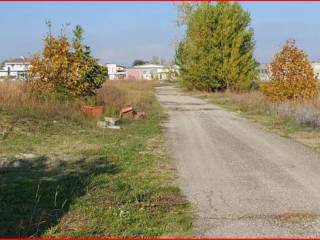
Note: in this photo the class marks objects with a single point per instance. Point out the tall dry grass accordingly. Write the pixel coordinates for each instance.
(16, 97)
(115, 95)
(305, 113)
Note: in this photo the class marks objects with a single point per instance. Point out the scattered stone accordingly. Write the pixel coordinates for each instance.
(19, 160)
(20, 163)
(114, 127)
(111, 121)
(25, 156)
(4, 162)
(102, 124)
(17, 163)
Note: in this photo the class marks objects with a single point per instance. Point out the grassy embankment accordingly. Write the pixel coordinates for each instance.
(300, 121)
(84, 181)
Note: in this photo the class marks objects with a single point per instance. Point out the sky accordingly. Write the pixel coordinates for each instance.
(122, 32)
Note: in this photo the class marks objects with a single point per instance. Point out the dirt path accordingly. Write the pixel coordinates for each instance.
(242, 180)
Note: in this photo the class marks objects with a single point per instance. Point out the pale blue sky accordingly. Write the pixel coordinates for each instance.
(121, 32)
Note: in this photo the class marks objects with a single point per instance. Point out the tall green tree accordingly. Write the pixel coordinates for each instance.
(217, 52)
(95, 73)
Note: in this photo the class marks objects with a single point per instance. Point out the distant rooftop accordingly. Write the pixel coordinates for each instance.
(119, 65)
(18, 60)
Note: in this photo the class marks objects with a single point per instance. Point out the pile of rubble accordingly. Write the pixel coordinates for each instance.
(129, 112)
(126, 113)
(109, 123)
(20, 160)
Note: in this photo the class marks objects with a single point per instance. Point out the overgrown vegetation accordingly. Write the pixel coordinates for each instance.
(83, 181)
(113, 95)
(217, 52)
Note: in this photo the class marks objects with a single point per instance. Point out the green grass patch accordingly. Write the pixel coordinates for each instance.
(86, 181)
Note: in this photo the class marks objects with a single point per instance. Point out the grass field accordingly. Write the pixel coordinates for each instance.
(81, 180)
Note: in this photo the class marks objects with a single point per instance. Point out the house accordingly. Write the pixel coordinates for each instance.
(16, 68)
(145, 71)
(116, 71)
(316, 69)
(264, 72)
(151, 72)
(135, 73)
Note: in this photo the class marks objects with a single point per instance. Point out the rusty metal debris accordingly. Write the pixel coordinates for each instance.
(129, 112)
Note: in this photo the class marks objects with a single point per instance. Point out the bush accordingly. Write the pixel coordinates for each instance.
(292, 76)
(65, 67)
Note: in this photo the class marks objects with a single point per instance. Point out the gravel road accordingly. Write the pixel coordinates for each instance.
(242, 180)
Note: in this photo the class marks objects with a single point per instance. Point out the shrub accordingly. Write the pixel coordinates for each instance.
(65, 67)
(292, 76)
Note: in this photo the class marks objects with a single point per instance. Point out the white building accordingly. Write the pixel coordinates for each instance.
(264, 72)
(116, 71)
(16, 68)
(316, 69)
(152, 72)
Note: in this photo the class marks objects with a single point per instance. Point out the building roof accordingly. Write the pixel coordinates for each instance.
(149, 66)
(18, 60)
(118, 65)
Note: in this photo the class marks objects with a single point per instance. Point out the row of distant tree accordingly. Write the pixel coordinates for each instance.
(154, 60)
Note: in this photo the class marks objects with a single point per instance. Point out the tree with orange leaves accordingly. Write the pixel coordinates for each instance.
(66, 67)
(292, 75)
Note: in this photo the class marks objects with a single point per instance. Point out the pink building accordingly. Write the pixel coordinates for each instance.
(135, 73)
